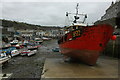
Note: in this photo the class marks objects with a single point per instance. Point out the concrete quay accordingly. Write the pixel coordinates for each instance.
(57, 68)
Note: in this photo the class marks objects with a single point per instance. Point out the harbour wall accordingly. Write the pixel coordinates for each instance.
(113, 48)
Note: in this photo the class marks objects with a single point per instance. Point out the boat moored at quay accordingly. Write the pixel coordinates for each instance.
(83, 42)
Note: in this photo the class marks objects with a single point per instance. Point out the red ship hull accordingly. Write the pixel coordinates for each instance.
(86, 43)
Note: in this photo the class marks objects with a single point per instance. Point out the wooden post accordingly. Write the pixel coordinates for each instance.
(113, 48)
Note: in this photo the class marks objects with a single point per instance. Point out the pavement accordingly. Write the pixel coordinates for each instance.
(57, 68)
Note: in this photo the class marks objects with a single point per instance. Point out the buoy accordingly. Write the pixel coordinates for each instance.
(113, 37)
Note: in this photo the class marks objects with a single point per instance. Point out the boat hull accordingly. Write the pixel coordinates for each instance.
(88, 44)
(87, 56)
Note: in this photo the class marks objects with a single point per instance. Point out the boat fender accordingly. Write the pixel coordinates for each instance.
(113, 37)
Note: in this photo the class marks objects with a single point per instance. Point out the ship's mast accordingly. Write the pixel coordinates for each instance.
(77, 9)
(76, 16)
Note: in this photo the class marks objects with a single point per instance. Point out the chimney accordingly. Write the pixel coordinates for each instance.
(112, 3)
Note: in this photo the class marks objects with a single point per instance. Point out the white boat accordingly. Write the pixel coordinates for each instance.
(14, 53)
(38, 40)
(3, 59)
(32, 52)
(45, 38)
(14, 42)
(28, 52)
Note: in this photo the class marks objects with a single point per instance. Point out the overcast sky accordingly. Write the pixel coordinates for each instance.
(41, 12)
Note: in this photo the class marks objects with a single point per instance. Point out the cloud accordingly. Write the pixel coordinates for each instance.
(50, 13)
(0, 9)
(58, 0)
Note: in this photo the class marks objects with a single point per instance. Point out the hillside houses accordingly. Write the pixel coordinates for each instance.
(46, 32)
(12, 29)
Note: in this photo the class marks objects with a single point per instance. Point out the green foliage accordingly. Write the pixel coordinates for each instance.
(18, 25)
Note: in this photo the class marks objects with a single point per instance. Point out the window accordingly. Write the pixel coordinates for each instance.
(74, 27)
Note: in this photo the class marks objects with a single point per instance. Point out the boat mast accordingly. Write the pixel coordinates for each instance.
(77, 9)
(76, 17)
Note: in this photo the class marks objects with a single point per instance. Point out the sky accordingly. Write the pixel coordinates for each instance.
(51, 13)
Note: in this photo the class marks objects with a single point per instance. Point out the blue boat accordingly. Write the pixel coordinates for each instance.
(10, 51)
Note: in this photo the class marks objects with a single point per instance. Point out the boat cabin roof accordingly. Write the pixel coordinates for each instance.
(75, 26)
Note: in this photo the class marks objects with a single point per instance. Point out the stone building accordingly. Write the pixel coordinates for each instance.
(112, 11)
(112, 15)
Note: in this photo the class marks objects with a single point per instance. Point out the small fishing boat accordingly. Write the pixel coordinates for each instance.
(28, 52)
(33, 46)
(45, 38)
(3, 59)
(18, 46)
(14, 42)
(13, 51)
(55, 49)
(38, 40)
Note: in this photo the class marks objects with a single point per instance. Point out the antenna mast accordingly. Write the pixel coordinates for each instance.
(77, 9)
(76, 17)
